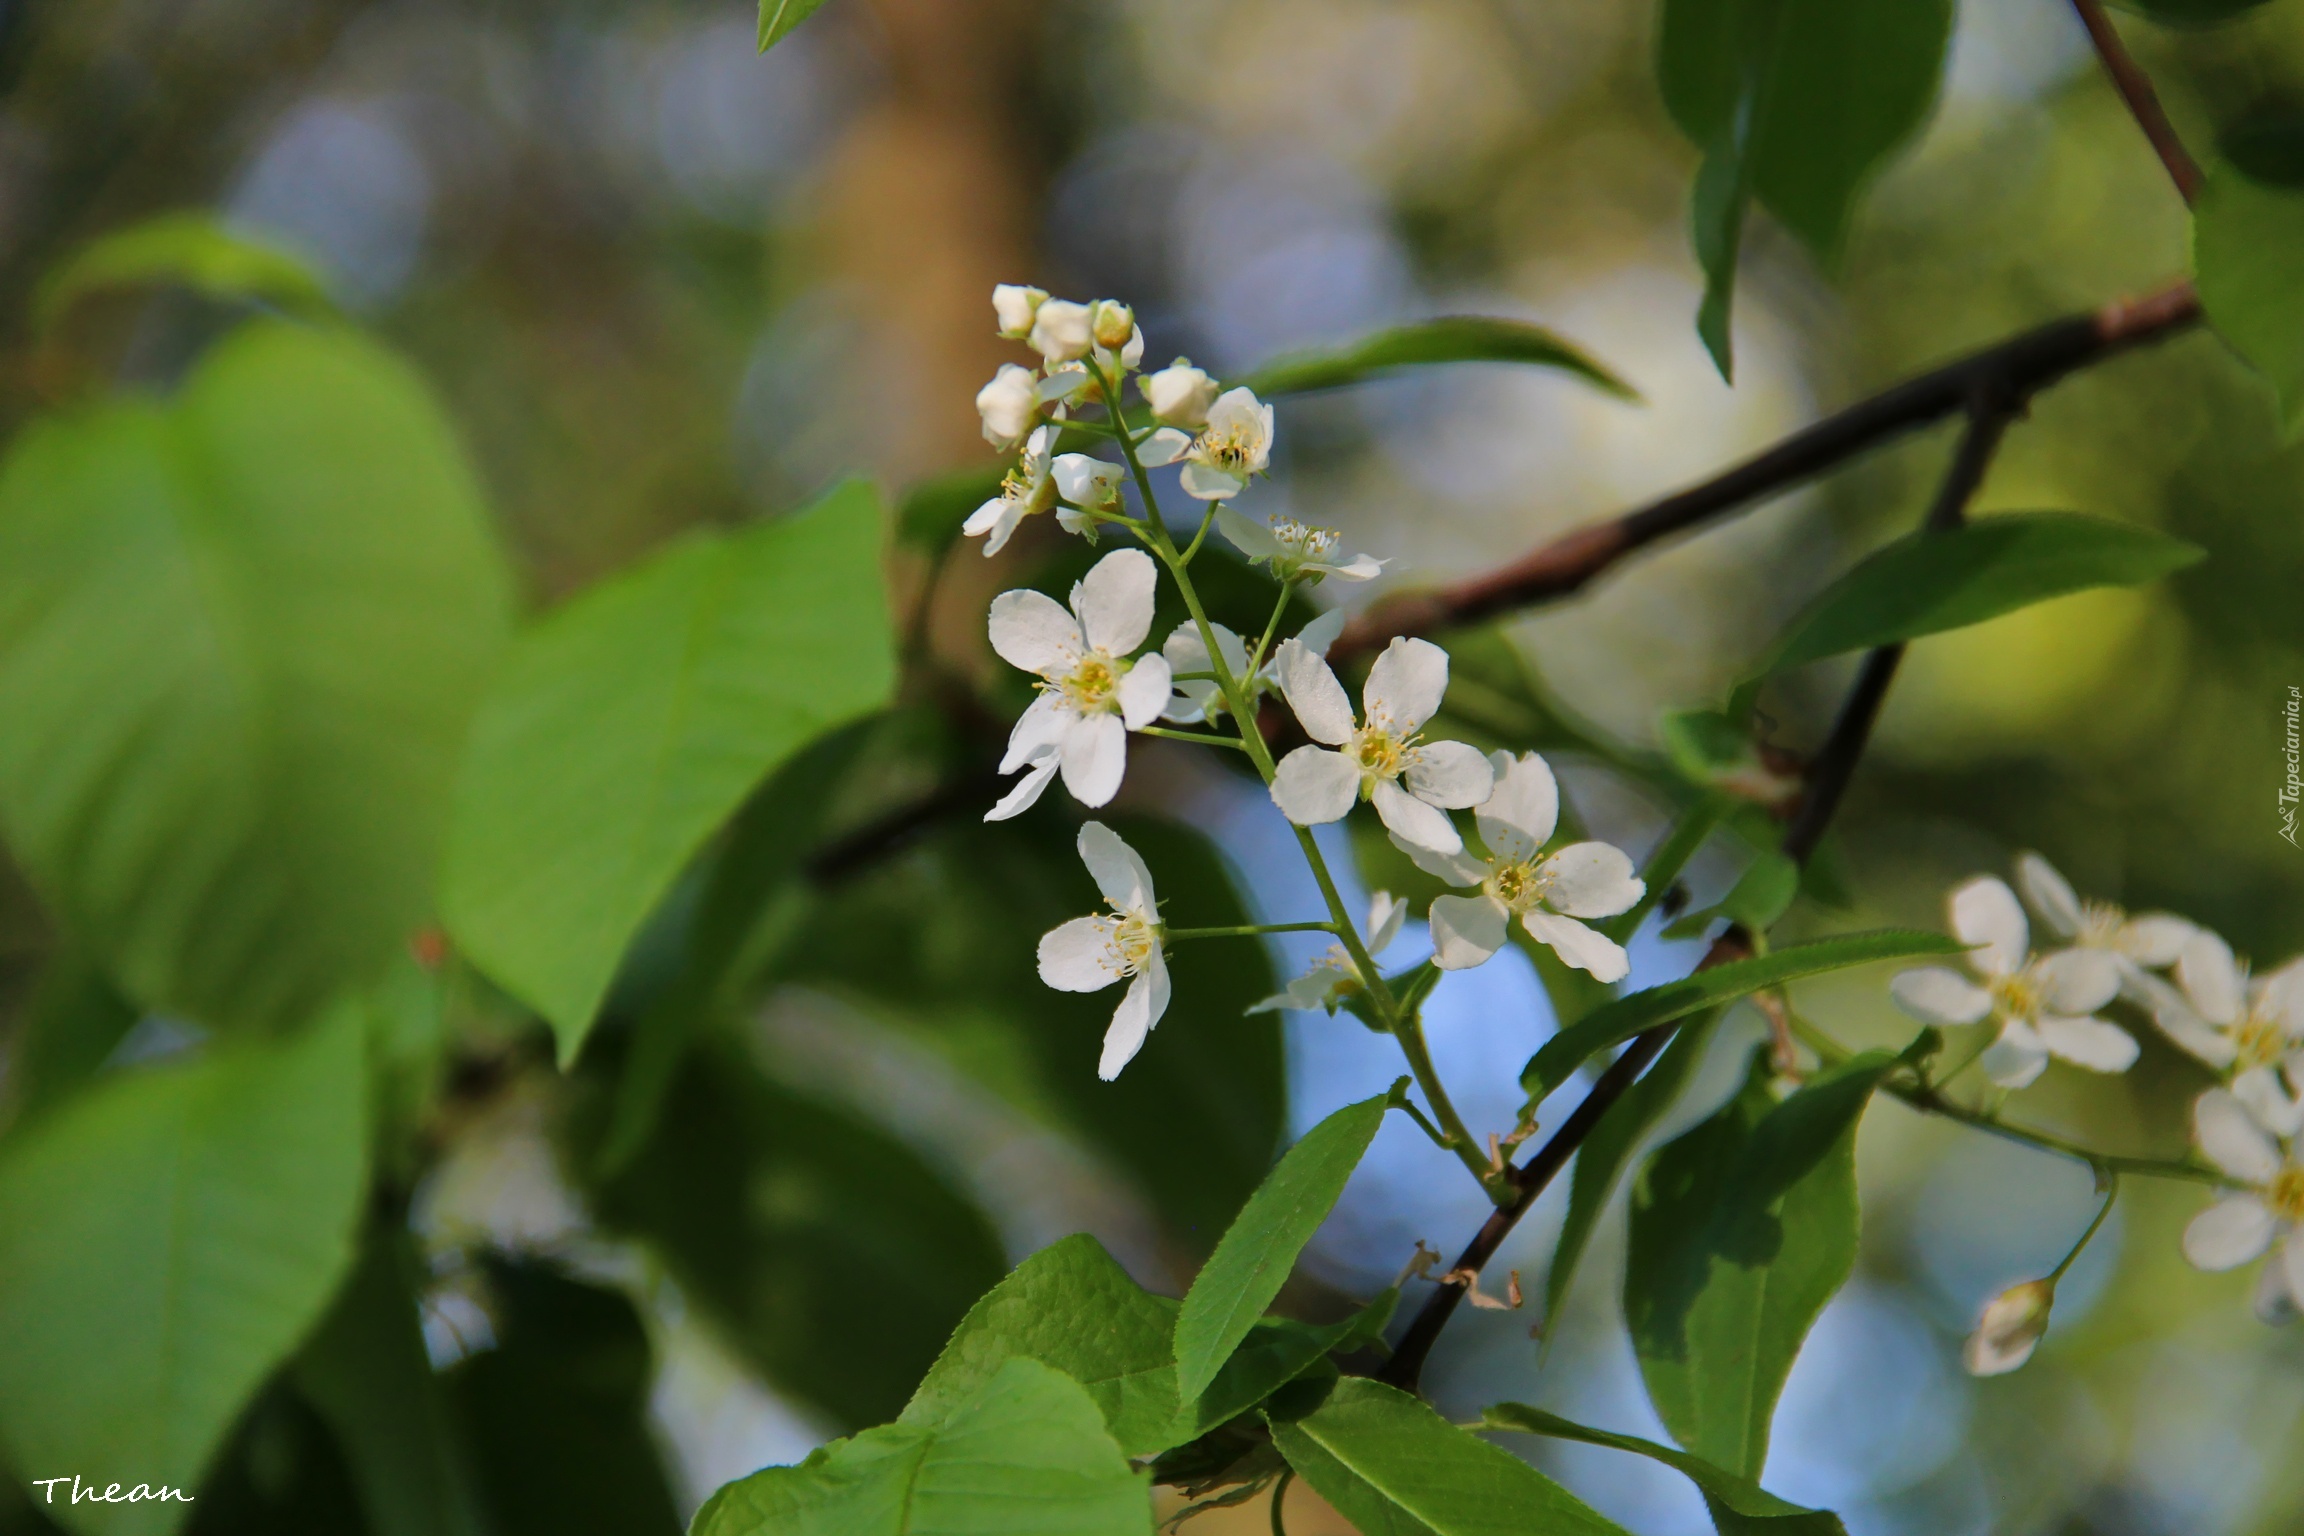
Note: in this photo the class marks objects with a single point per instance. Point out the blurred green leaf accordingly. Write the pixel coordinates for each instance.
(1760, 896)
(2189, 13)
(2248, 256)
(74, 1020)
(557, 1410)
(366, 1373)
(242, 633)
(1739, 1506)
(1797, 103)
(1257, 1251)
(779, 17)
(165, 1240)
(1741, 1231)
(1936, 580)
(189, 250)
(1450, 339)
(1391, 1465)
(834, 1257)
(632, 722)
(1620, 1020)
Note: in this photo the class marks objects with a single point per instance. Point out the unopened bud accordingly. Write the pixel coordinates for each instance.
(1016, 307)
(1113, 323)
(1009, 405)
(1180, 394)
(1060, 331)
(2010, 1328)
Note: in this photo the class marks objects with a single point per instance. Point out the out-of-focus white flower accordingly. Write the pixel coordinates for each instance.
(1197, 695)
(2243, 1225)
(1179, 394)
(2045, 1007)
(1016, 306)
(1088, 954)
(1235, 446)
(1579, 881)
(2010, 1329)
(1091, 694)
(1333, 977)
(1412, 783)
(1295, 550)
(1029, 488)
(2249, 1028)
(1009, 405)
(1090, 485)
(2148, 941)
(1060, 332)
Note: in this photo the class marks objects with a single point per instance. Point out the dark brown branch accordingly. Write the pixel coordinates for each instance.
(2014, 369)
(2135, 88)
(1990, 408)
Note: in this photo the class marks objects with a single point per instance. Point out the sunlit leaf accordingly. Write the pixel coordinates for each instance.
(779, 17)
(1739, 1506)
(188, 250)
(1450, 339)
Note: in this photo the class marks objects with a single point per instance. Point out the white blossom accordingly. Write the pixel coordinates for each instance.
(1009, 406)
(1380, 757)
(1334, 977)
(1090, 485)
(2251, 1029)
(2010, 1329)
(1179, 394)
(1088, 954)
(1016, 306)
(1118, 340)
(2245, 1224)
(1029, 488)
(1091, 693)
(1582, 880)
(1198, 697)
(1295, 550)
(2148, 941)
(2044, 1006)
(1061, 332)
(1234, 447)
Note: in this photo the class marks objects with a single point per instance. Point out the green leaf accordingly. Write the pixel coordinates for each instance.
(165, 1240)
(1739, 1506)
(2189, 13)
(1257, 1251)
(779, 17)
(2248, 255)
(633, 722)
(75, 1018)
(1760, 896)
(188, 250)
(833, 1256)
(1620, 1020)
(1797, 103)
(1932, 581)
(1027, 1455)
(1451, 339)
(1741, 1231)
(1393, 1467)
(557, 1411)
(242, 632)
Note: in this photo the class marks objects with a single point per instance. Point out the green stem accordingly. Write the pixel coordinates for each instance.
(1279, 1492)
(1207, 521)
(1665, 863)
(1201, 737)
(2111, 1193)
(1408, 1029)
(1424, 1123)
(1244, 930)
(1272, 627)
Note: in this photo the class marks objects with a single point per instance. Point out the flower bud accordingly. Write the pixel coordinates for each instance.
(1060, 331)
(1112, 322)
(1016, 307)
(1010, 404)
(2010, 1328)
(1180, 394)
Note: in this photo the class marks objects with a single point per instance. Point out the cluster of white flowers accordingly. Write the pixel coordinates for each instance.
(2249, 1031)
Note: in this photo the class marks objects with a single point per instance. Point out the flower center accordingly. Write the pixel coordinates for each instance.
(1227, 449)
(1305, 542)
(1519, 885)
(2259, 1040)
(2099, 925)
(1029, 486)
(1380, 754)
(1134, 941)
(2016, 996)
(2285, 1194)
(1094, 686)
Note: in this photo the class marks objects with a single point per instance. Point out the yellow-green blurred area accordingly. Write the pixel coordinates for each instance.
(663, 281)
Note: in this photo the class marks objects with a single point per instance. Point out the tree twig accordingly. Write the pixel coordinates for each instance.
(2135, 88)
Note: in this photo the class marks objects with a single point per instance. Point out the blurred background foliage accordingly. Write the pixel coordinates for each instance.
(659, 283)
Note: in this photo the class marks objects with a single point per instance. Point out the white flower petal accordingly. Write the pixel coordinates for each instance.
(2272, 1300)
(1118, 871)
(1986, 917)
(1591, 880)
(2231, 1138)
(1005, 521)
(2228, 1234)
(1358, 568)
(1412, 819)
(1935, 995)
(1249, 536)
(1114, 601)
(1165, 446)
(1320, 633)
(2172, 1011)
(1315, 785)
(2090, 1043)
(1039, 731)
(1204, 484)
(2267, 1098)
(1523, 810)
(1449, 774)
(1131, 1022)
(1466, 930)
(1032, 631)
(1027, 791)
(1458, 868)
(1144, 691)
(1405, 685)
(2282, 998)
(2210, 977)
(2009, 1330)
(2051, 895)
(2076, 981)
(1082, 479)
(2154, 939)
(1079, 956)
(1386, 912)
(1587, 949)
(1095, 759)
(1321, 705)
(1060, 330)
(2017, 1058)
